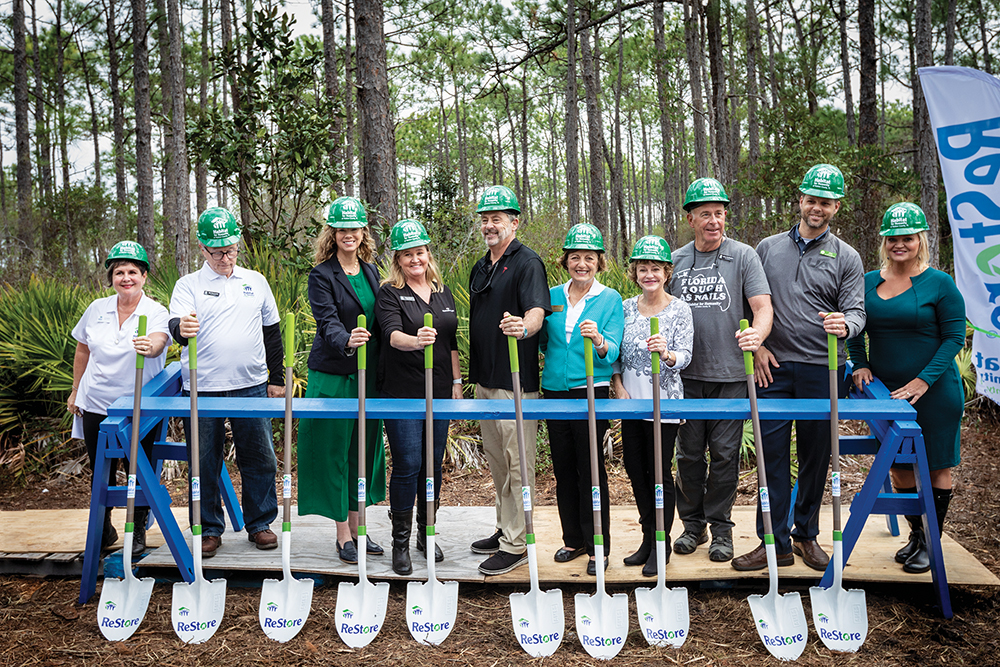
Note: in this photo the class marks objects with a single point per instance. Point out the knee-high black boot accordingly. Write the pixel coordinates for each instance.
(402, 521)
(109, 534)
(920, 561)
(916, 532)
(139, 531)
(422, 530)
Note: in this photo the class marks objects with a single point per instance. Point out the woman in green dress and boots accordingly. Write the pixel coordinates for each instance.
(915, 308)
(342, 286)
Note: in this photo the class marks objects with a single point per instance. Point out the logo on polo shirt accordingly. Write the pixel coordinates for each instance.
(247, 290)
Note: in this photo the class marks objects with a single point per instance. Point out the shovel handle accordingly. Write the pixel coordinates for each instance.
(588, 356)
(831, 343)
(429, 350)
(654, 328)
(362, 351)
(289, 340)
(515, 365)
(747, 354)
(140, 361)
(193, 353)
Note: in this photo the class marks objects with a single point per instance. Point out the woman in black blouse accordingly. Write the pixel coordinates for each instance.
(413, 288)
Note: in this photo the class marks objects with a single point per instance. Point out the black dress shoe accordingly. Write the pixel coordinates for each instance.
(592, 566)
(650, 567)
(371, 548)
(641, 554)
(347, 552)
(565, 555)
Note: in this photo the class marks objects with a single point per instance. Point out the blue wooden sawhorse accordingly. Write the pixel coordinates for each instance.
(114, 442)
(895, 438)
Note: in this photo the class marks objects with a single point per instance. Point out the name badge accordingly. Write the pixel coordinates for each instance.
(557, 309)
(828, 253)
(725, 258)
(406, 298)
(209, 293)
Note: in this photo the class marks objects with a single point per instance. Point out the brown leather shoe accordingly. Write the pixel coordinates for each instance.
(812, 554)
(264, 539)
(210, 544)
(757, 560)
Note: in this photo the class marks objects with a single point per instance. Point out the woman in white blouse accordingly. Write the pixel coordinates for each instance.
(650, 267)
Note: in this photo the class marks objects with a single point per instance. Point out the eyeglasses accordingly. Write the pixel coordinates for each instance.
(482, 281)
(219, 254)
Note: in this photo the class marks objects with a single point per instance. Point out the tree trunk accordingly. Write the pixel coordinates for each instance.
(331, 79)
(25, 227)
(845, 65)
(595, 133)
(693, 42)
(182, 188)
(169, 197)
(44, 147)
(117, 111)
(95, 133)
(618, 182)
(713, 20)
(63, 123)
(200, 170)
(949, 33)
(350, 90)
(926, 149)
(753, 128)
(666, 146)
(463, 159)
(526, 187)
(868, 135)
(572, 160)
(146, 234)
(378, 143)
(984, 36)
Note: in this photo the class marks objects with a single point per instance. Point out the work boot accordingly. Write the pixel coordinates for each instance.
(920, 560)
(108, 534)
(139, 521)
(402, 521)
(422, 530)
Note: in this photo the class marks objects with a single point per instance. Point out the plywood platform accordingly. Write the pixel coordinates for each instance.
(314, 551)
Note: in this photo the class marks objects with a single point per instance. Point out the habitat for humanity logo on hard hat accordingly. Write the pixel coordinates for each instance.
(823, 177)
(492, 195)
(349, 210)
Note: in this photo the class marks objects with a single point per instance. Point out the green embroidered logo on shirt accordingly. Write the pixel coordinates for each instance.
(828, 253)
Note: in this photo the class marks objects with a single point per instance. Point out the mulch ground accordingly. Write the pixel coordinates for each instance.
(41, 623)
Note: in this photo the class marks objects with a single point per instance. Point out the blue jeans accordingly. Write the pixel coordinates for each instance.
(254, 457)
(406, 443)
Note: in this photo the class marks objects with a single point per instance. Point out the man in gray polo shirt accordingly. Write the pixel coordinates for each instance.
(723, 281)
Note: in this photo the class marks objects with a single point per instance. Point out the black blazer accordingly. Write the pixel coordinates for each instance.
(335, 308)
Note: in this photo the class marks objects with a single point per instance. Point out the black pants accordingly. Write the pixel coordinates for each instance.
(569, 442)
(91, 430)
(637, 452)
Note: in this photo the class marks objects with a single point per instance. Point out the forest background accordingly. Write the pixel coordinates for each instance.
(600, 112)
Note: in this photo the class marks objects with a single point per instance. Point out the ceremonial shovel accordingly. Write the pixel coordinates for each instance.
(284, 605)
(124, 601)
(664, 616)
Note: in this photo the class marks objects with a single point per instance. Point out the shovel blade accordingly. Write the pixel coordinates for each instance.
(664, 615)
(197, 609)
(781, 623)
(284, 607)
(360, 611)
(123, 606)
(602, 623)
(840, 617)
(539, 622)
(431, 608)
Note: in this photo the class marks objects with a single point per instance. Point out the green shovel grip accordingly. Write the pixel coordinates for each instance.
(747, 355)
(654, 328)
(289, 340)
(515, 366)
(193, 352)
(363, 350)
(588, 356)
(429, 350)
(140, 361)
(831, 343)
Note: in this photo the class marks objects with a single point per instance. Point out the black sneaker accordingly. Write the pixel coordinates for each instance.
(489, 545)
(502, 562)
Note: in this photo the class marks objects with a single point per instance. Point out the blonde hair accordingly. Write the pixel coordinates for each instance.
(668, 268)
(326, 245)
(923, 251)
(398, 280)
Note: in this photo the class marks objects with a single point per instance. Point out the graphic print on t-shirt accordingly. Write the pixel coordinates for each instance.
(703, 288)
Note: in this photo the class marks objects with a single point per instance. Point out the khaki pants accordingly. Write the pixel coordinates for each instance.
(500, 447)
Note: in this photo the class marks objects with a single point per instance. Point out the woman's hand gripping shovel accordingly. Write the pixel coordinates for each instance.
(361, 607)
(664, 615)
(431, 607)
(601, 619)
(840, 616)
(780, 621)
(539, 623)
(284, 605)
(197, 606)
(124, 601)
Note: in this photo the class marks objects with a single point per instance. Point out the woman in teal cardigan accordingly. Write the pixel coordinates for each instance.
(581, 308)
(915, 327)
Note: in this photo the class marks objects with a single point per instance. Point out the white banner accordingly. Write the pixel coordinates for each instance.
(964, 107)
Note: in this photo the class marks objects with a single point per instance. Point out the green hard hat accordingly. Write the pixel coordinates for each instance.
(703, 191)
(217, 227)
(823, 180)
(904, 218)
(498, 198)
(651, 247)
(584, 236)
(129, 250)
(347, 213)
(408, 234)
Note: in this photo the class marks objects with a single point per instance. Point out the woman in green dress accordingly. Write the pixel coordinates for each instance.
(342, 286)
(915, 327)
